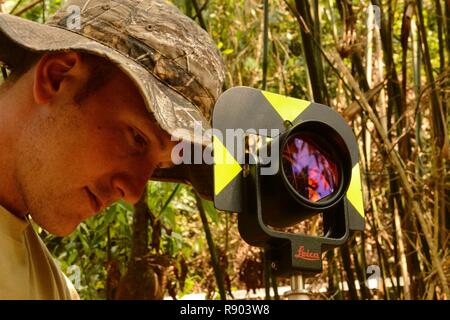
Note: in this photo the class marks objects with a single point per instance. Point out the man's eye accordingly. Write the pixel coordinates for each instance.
(139, 139)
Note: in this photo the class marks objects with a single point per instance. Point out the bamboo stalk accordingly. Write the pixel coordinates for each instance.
(212, 248)
(381, 258)
(266, 274)
(44, 9)
(380, 66)
(441, 44)
(393, 87)
(372, 208)
(416, 60)
(397, 110)
(333, 21)
(369, 42)
(439, 125)
(441, 25)
(399, 200)
(403, 264)
(396, 162)
(405, 144)
(447, 24)
(313, 60)
(346, 261)
(265, 44)
(15, 7)
(29, 7)
(359, 255)
(367, 137)
(169, 199)
(188, 6)
(330, 274)
(198, 12)
(278, 43)
(338, 278)
(140, 227)
(393, 191)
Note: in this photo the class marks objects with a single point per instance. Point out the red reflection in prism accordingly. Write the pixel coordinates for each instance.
(309, 168)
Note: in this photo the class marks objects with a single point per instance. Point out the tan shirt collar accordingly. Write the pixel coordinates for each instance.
(15, 226)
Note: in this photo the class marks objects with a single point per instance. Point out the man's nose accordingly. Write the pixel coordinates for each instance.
(130, 187)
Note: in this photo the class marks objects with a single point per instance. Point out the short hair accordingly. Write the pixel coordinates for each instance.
(100, 68)
(28, 60)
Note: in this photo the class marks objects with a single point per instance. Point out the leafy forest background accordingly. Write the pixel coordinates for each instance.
(387, 74)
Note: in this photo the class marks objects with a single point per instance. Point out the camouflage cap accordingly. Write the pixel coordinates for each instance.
(173, 62)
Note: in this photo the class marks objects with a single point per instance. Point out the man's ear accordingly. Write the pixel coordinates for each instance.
(56, 74)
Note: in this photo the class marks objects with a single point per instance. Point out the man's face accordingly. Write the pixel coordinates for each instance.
(79, 158)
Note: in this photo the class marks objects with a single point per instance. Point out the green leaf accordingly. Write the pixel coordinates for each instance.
(185, 207)
(210, 210)
(168, 217)
(250, 64)
(124, 205)
(109, 216)
(73, 255)
(228, 51)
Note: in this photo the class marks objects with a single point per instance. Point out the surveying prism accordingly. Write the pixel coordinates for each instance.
(279, 161)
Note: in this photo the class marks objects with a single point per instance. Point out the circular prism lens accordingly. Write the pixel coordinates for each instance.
(309, 169)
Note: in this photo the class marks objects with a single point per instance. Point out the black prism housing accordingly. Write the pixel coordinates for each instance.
(267, 202)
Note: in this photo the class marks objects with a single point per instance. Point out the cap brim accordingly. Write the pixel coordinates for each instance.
(174, 113)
